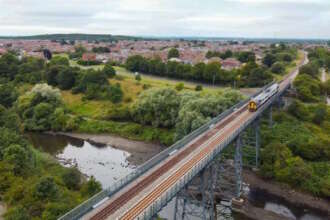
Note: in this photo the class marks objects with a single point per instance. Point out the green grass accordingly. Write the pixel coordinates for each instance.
(128, 130)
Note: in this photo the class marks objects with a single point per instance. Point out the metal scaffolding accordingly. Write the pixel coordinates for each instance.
(219, 181)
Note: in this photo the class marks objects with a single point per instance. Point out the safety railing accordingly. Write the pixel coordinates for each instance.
(168, 195)
(86, 206)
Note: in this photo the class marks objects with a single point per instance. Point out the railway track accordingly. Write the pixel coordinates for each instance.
(141, 205)
(164, 186)
(134, 190)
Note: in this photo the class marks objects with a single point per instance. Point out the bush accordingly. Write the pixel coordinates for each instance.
(17, 213)
(8, 95)
(179, 86)
(278, 68)
(91, 187)
(46, 188)
(198, 88)
(71, 178)
(89, 63)
(108, 70)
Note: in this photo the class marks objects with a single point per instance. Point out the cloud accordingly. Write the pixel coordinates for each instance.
(249, 18)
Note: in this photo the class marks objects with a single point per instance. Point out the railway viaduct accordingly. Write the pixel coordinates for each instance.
(208, 161)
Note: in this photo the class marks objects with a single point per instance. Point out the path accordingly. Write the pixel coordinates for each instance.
(323, 79)
(2, 210)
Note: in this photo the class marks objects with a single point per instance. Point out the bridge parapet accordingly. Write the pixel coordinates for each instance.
(86, 206)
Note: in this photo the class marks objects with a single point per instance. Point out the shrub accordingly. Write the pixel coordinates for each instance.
(179, 86)
(198, 88)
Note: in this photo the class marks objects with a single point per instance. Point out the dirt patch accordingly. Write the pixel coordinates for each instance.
(286, 193)
(2, 210)
(140, 151)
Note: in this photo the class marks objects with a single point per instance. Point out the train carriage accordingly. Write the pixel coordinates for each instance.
(260, 99)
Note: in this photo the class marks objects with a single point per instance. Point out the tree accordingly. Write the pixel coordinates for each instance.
(91, 187)
(17, 213)
(158, 107)
(273, 159)
(109, 71)
(66, 78)
(71, 178)
(198, 71)
(46, 188)
(212, 72)
(18, 157)
(278, 68)
(320, 114)
(269, 59)
(173, 53)
(8, 95)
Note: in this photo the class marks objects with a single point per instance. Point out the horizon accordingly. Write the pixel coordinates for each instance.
(169, 36)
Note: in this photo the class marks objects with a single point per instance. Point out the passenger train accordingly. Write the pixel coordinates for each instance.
(260, 99)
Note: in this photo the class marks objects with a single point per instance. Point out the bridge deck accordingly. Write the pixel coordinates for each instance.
(133, 199)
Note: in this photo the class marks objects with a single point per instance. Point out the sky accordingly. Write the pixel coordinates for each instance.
(163, 18)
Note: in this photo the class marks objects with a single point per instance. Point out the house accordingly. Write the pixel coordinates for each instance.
(89, 57)
(230, 63)
(213, 60)
(2, 51)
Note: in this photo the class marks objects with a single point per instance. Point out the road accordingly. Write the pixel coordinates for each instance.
(131, 201)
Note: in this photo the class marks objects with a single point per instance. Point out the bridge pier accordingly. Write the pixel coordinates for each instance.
(220, 180)
(270, 119)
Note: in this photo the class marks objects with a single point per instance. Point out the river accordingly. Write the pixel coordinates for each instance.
(107, 164)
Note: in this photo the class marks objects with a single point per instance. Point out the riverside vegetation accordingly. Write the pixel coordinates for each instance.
(297, 148)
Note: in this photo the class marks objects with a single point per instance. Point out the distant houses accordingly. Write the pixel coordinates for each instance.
(89, 57)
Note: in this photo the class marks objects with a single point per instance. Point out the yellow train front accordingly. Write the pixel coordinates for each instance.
(252, 106)
(259, 100)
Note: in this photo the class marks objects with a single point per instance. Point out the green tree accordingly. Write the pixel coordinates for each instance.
(273, 159)
(18, 157)
(8, 95)
(212, 72)
(108, 70)
(269, 59)
(71, 178)
(17, 213)
(66, 78)
(91, 187)
(278, 68)
(158, 107)
(173, 53)
(46, 188)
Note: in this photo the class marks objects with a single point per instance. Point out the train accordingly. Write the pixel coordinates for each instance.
(260, 99)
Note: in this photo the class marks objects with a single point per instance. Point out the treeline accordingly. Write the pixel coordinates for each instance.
(94, 84)
(211, 73)
(32, 184)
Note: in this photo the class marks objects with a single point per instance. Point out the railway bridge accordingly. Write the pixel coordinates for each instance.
(197, 162)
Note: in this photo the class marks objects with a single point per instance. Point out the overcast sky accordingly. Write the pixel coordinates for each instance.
(213, 18)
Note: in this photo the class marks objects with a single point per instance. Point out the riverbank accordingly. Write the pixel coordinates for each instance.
(2, 210)
(140, 151)
(286, 193)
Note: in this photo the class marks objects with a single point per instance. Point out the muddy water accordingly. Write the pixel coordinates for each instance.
(104, 162)
(277, 205)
